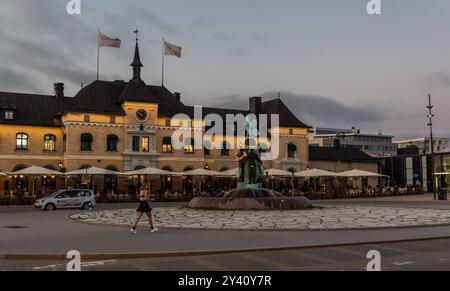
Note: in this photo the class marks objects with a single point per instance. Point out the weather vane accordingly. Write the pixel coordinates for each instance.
(136, 32)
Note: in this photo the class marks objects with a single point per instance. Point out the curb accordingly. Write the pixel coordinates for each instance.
(146, 255)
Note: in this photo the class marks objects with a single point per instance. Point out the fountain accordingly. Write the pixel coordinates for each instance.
(250, 195)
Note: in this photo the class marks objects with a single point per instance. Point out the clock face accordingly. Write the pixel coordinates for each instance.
(141, 115)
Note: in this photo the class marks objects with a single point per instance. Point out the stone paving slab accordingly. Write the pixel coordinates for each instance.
(324, 218)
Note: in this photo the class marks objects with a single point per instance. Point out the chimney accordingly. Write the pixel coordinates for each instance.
(59, 89)
(177, 95)
(255, 105)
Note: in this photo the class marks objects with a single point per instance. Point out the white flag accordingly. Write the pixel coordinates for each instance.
(172, 50)
(104, 40)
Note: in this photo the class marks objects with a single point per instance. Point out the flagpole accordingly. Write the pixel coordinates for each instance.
(162, 71)
(98, 55)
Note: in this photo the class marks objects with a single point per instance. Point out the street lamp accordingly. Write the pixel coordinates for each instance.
(430, 125)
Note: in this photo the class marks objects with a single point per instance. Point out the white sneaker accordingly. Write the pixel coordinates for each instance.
(133, 231)
(154, 229)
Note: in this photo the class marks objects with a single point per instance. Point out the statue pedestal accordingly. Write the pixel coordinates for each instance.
(243, 185)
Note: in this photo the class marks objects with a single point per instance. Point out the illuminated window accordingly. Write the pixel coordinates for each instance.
(145, 144)
(167, 145)
(49, 143)
(189, 146)
(87, 118)
(112, 119)
(22, 141)
(9, 115)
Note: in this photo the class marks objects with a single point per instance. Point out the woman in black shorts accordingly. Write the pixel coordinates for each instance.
(144, 207)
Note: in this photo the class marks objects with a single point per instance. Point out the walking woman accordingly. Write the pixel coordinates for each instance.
(144, 207)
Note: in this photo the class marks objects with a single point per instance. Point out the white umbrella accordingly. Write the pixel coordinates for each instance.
(34, 170)
(314, 173)
(230, 173)
(37, 171)
(359, 173)
(2, 174)
(148, 171)
(93, 171)
(277, 173)
(200, 172)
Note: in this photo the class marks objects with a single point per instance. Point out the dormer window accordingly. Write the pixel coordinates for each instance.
(9, 115)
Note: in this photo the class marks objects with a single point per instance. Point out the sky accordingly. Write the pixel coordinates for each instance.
(333, 64)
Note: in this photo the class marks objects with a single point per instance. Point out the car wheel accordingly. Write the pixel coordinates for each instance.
(86, 206)
(50, 206)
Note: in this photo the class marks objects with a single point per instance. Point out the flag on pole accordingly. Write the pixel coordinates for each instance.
(172, 50)
(104, 40)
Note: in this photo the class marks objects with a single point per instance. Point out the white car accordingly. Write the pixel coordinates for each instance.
(72, 198)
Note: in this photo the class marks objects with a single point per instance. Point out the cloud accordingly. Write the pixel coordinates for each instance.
(222, 36)
(315, 110)
(437, 79)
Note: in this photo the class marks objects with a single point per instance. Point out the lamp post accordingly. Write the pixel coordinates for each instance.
(430, 125)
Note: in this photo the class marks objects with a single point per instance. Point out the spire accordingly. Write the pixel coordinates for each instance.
(136, 64)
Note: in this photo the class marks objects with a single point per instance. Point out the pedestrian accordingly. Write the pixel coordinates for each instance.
(144, 207)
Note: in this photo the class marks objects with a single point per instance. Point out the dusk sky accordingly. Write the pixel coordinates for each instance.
(335, 65)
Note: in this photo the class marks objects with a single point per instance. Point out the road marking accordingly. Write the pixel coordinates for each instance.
(402, 263)
(45, 267)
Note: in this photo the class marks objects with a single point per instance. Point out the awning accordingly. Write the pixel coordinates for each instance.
(35, 170)
(200, 172)
(167, 140)
(277, 173)
(93, 171)
(148, 172)
(359, 173)
(87, 137)
(230, 173)
(315, 173)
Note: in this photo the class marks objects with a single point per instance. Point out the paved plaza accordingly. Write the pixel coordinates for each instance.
(325, 217)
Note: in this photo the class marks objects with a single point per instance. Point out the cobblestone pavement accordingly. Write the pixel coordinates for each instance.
(405, 256)
(323, 218)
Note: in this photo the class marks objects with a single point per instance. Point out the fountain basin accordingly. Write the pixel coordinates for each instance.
(251, 199)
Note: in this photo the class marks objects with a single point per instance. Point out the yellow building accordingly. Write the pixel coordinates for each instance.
(123, 126)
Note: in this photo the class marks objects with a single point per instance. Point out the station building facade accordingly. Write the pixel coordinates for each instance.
(123, 126)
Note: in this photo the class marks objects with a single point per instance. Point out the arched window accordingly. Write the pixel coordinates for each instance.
(291, 151)
(189, 145)
(84, 167)
(167, 145)
(167, 168)
(49, 143)
(111, 143)
(19, 168)
(50, 167)
(22, 141)
(86, 142)
(225, 151)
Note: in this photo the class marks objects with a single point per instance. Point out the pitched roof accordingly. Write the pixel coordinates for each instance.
(33, 109)
(338, 154)
(287, 118)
